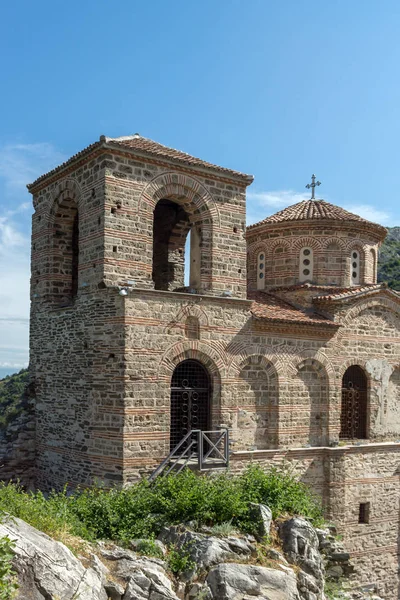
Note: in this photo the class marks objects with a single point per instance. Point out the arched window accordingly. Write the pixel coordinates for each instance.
(353, 417)
(192, 328)
(373, 265)
(306, 264)
(65, 259)
(261, 271)
(355, 267)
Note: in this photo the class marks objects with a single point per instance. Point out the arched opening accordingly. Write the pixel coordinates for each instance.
(306, 264)
(192, 328)
(190, 400)
(257, 418)
(172, 229)
(353, 417)
(372, 254)
(312, 393)
(65, 252)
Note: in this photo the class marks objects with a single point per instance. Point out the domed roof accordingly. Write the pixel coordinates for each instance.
(315, 210)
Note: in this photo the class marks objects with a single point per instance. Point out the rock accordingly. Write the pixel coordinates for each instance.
(236, 582)
(114, 590)
(199, 591)
(46, 568)
(206, 551)
(262, 516)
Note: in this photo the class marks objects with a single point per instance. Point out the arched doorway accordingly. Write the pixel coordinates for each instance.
(190, 400)
(353, 418)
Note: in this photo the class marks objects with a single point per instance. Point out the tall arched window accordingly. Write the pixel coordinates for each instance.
(353, 417)
(65, 251)
(306, 264)
(373, 265)
(261, 271)
(355, 267)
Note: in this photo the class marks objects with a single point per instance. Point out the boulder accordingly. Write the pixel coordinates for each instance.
(206, 551)
(262, 517)
(46, 568)
(237, 582)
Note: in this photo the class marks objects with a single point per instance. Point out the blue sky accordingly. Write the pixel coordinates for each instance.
(276, 89)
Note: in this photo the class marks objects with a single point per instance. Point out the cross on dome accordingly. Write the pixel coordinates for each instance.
(312, 185)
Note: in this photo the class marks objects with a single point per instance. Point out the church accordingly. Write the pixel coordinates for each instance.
(283, 346)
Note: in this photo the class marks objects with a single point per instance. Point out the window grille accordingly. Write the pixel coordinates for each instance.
(353, 418)
(190, 400)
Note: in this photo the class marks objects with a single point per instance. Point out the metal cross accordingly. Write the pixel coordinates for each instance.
(312, 185)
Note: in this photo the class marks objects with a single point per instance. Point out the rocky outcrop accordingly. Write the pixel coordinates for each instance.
(229, 568)
(17, 446)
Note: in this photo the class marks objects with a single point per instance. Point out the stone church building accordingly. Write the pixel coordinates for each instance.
(283, 335)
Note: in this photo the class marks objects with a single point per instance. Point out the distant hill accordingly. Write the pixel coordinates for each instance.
(12, 396)
(389, 259)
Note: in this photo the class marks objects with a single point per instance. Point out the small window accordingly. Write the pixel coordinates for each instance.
(306, 264)
(192, 328)
(355, 267)
(363, 512)
(261, 271)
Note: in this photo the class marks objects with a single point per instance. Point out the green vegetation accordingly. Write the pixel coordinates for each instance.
(389, 259)
(179, 560)
(143, 509)
(12, 396)
(8, 583)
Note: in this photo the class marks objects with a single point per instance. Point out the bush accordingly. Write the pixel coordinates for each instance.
(143, 509)
(179, 560)
(8, 583)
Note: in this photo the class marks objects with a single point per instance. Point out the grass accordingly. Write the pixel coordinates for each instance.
(221, 501)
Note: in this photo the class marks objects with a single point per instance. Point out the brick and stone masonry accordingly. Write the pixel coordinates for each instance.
(299, 344)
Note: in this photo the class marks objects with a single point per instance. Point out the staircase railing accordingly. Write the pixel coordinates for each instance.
(202, 449)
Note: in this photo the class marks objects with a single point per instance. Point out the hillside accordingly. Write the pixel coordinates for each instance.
(12, 398)
(389, 259)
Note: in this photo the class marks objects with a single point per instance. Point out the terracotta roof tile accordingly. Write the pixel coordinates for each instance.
(353, 292)
(147, 147)
(268, 306)
(313, 210)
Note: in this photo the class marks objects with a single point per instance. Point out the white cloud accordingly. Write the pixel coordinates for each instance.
(263, 204)
(22, 163)
(19, 165)
(370, 213)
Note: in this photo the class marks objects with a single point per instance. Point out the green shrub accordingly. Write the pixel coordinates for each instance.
(149, 548)
(179, 560)
(143, 509)
(8, 583)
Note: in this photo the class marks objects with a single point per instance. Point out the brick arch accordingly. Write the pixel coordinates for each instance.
(333, 240)
(307, 242)
(255, 249)
(68, 189)
(241, 353)
(316, 398)
(269, 367)
(277, 243)
(386, 303)
(351, 362)
(184, 190)
(209, 356)
(192, 310)
(356, 244)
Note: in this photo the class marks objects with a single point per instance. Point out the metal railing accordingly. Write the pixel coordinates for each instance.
(204, 450)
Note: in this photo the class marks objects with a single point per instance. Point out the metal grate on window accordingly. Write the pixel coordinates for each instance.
(353, 418)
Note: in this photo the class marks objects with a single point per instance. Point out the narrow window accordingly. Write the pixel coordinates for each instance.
(306, 266)
(363, 512)
(75, 256)
(192, 328)
(261, 271)
(355, 267)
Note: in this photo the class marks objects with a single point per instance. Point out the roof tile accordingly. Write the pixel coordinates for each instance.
(272, 308)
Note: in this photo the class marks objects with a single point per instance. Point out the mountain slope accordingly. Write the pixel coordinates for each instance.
(389, 259)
